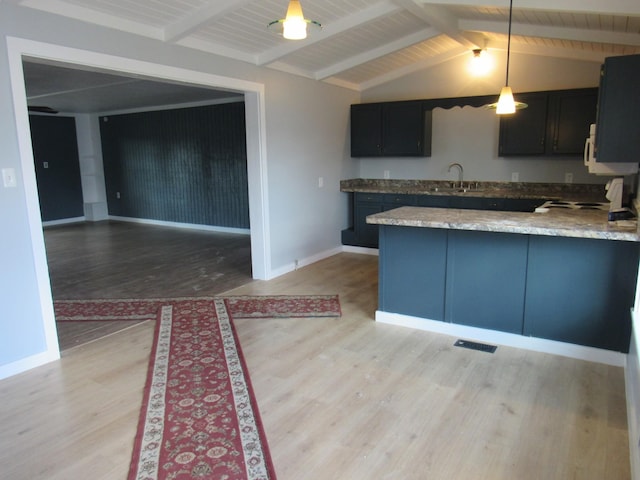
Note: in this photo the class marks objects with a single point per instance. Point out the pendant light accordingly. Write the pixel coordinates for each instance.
(294, 25)
(506, 104)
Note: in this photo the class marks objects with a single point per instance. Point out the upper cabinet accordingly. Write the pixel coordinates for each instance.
(554, 123)
(393, 129)
(619, 110)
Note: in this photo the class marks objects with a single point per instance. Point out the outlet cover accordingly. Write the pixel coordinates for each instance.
(515, 177)
(568, 177)
(386, 174)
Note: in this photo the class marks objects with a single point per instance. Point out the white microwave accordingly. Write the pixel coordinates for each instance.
(602, 168)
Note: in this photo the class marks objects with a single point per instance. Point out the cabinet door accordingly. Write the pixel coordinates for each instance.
(412, 268)
(366, 130)
(522, 204)
(476, 203)
(392, 201)
(570, 114)
(581, 291)
(402, 129)
(492, 295)
(523, 133)
(435, 201)
(367, 204)
(617, 139)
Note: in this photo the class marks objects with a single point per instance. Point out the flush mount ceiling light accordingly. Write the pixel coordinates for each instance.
(481, 63)
(506, 104)
(294, 25)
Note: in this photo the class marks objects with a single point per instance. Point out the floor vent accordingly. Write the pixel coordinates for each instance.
(483, 347)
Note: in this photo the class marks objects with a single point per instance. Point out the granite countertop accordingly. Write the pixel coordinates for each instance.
(549, 191)
(556, 222)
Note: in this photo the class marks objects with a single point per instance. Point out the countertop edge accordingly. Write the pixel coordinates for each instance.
(593, 225)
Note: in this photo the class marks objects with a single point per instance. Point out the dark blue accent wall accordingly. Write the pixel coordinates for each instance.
(55, 154)
(185, 165)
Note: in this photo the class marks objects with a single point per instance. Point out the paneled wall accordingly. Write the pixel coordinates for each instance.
(184, 165)
(55, 154)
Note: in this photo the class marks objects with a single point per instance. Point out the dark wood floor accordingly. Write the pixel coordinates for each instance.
(109, 259)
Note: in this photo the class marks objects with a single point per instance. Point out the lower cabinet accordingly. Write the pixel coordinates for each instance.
(581, 291)
(485, 280)
(420, 291)
(364, 204)
(572, 290)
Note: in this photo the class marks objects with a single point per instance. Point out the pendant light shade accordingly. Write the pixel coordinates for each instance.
(506, 104)
(294, 25)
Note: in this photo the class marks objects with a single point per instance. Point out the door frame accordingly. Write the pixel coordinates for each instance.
(255, 137)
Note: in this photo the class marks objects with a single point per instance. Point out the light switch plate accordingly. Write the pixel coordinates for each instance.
(9, 177)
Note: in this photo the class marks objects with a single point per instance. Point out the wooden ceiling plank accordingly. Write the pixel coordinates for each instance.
(199, 17)
(347, 23)
(605, 7)
(378, 52)
(561, 33)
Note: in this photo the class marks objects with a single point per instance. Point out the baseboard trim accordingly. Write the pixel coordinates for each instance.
(296, 264)
(33, 361)
(63, 221)
(505, 339)
(188, 226)
(364, 250)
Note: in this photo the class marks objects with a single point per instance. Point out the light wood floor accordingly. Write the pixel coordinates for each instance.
(340, 398)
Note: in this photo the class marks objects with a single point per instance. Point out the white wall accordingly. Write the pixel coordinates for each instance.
(305, 137)
(470, 135)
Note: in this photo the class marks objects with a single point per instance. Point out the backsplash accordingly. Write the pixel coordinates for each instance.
(575, 191)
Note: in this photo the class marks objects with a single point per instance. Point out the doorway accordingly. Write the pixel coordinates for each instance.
(256, 148)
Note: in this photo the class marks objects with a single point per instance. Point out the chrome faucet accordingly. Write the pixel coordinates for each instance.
(460, 174)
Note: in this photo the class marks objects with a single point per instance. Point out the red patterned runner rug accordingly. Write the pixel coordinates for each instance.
(199, 417)
(244, 306)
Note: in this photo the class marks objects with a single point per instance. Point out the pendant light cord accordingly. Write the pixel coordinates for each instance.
(506, 82)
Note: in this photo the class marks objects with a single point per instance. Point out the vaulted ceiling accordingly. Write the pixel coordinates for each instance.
(364, 43)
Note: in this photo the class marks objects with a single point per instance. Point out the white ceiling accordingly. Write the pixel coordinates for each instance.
(364, 43)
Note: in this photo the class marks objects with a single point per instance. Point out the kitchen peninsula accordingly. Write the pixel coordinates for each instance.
(566, 275)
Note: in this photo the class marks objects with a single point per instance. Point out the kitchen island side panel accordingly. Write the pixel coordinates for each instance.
(486, 275)
(412, 271)
(581, 291)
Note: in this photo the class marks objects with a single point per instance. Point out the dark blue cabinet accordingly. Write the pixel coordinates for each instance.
(390, 129)
(364, 204)
(617, 138)
(581, 291)
(571, 290)
(485, 280)
(420, 292)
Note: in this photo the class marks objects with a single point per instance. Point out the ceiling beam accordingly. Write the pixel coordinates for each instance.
(439, 17)
(198, 17)
(344, 24)
(375, 53)
(559, 33)
(597, 7)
